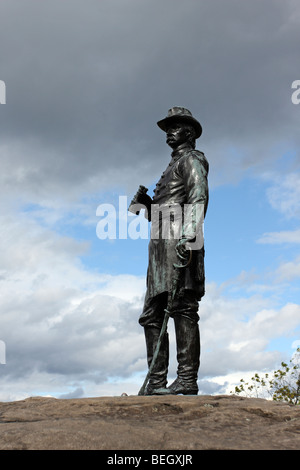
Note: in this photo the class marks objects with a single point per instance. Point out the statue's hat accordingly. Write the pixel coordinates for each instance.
(177, 113)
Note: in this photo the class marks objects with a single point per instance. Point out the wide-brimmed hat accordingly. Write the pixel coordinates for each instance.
(177, 113)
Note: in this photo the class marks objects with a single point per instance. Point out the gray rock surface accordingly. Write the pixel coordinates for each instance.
(149, 423)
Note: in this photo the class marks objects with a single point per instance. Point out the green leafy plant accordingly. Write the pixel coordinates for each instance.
(283, 385)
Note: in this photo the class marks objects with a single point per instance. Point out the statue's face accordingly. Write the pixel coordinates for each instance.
(176, 134)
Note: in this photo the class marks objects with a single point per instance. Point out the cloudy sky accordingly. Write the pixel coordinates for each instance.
(86, 82)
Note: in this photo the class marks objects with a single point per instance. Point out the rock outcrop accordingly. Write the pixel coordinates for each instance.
(149, 423)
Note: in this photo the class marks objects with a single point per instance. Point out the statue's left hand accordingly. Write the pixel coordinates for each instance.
(181, 249)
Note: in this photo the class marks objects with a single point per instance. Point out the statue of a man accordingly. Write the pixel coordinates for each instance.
(182, 185)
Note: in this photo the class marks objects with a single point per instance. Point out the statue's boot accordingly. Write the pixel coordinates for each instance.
(188, 356)
(157, 384)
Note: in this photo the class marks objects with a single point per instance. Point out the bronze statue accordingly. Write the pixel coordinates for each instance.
(170, 291)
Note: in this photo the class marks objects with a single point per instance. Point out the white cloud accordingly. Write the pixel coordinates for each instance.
(59, 318)
(284, 194)
(288, 270)
(236, 332)
(286, 236)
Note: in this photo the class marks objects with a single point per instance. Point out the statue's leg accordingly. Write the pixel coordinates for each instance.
(152, 319)
(188, 347)
(158, 378)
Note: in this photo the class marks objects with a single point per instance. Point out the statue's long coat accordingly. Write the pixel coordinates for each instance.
(183, 182)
